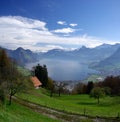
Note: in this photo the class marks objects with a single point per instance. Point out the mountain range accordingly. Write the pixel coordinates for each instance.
(104, 58)
(22, 56)
(84, 54)
(110, 65)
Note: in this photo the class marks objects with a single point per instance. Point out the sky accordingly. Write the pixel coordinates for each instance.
(42, 25)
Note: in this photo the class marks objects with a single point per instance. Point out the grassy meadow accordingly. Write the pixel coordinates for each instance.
(77, 104)
(18, 113)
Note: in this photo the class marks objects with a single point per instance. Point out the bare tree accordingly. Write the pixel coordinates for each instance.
(60, 86)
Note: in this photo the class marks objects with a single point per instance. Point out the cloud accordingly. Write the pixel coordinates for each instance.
(61, 23)
(64, 30)
(73, 24)
(17, 31)
(22, 22)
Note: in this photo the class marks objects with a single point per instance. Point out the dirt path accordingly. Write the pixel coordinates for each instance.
(61, 115)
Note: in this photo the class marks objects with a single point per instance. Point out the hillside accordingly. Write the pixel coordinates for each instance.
(110, 65)
(37, 105)
(22, 56)
(112, 60)
(74, 103)
(20, 113)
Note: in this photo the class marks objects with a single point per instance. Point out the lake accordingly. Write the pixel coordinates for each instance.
(64, 69)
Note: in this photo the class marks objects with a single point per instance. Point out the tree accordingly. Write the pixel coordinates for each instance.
(79, 88)
(16, 85)
(2, 96)
(15, 82)
(97, 93)
(42, 74)
(4, 66)
(113, 82)
(107, 90)
(51, 86)
(60, 87)
(45, 75)
(11, 79)
(90, 86)
(4, 72)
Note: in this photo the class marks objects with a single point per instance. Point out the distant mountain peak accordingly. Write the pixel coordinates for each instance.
(103, 46)
(56, 50)
(19, 49)
(83, 47)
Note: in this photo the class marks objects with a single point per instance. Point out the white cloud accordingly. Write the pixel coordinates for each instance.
(73, 24)
(61, 22)
(22, 22)
(20, 31)
(16, 31)
(65, 30)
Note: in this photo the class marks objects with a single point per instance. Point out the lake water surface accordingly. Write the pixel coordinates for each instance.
(64, 69)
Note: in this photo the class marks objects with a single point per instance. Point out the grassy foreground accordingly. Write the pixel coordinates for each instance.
(18, 113)
(78, 104)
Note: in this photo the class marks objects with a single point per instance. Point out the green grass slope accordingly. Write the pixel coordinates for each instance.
(18, 113)
(77, 104)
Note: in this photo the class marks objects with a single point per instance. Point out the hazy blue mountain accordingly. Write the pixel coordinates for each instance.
(104, 46)
(55, 53)
(84, 54)
(113, 60)
(22, 56)
(110, 65)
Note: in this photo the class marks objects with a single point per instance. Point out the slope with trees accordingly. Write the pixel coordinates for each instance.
(11, 80)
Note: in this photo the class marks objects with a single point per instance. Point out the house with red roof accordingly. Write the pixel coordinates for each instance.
(36, 82)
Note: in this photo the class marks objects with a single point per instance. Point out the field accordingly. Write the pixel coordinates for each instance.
(18, 113)
(77, 104)
(72, 104)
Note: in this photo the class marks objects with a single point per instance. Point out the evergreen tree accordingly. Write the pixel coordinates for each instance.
(90, 86)
(42, 74)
